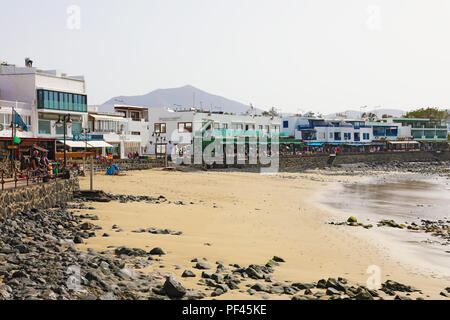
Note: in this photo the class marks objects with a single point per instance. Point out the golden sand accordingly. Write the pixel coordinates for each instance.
(246, 218)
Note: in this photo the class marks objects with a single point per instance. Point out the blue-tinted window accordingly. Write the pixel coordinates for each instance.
(70, 102)
(60, 130)
(61, 100)
(45, 99)
(75, 102)
(84, 104)
(285, 124)
(44, 127)
(76, 128)
(66, 102)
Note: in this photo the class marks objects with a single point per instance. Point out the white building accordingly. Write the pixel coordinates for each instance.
(126, 129)
(330, 131)
(173, 131)
(41, 97)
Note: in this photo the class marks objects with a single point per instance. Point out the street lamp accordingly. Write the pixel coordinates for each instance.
(63, 123)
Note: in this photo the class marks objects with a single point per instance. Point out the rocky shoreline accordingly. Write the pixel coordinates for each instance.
(39, 260)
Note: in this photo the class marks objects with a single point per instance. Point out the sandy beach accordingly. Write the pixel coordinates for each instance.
(246, 218)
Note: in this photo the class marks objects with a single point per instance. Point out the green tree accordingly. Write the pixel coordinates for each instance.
(271, 113)
(428, 113)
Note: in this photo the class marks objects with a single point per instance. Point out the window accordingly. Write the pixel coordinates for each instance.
(60, 130)
(106, 126)
(366, 136)
(135, 133)
(66, 102)
(331, 135)
(70, 108)
(61, 100)
(76, 128)
(285, 124)
(84, 103)
(5, 119)
(224, 125)
(46, 105)
(44, 127)
(160, 128)
(160, 149)
(135, 115)
(47, 99)
(75, 102)
(184, 127)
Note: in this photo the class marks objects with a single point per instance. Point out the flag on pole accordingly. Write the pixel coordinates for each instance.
(19, 122)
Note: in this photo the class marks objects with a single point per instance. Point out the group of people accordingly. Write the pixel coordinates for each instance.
(40, 164)
(102, 157)
(132, 155)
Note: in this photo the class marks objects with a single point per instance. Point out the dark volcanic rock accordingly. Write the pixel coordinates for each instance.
(202, 266)
(157, 251)
(174, 289)
(188, 274)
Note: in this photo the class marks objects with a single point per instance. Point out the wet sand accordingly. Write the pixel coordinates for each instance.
(404, 198)
(246, 218)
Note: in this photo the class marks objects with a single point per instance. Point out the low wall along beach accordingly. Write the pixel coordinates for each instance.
(37, 196)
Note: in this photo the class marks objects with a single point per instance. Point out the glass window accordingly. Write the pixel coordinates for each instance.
(55, 100)
(84, 104)
(2, 118)
(76, 128)
(75, 102)
(61, 101)
(50, 100)
(135, 116)
(160, 127)
(60, 130)
(8, 119)
(66, 101)
(46, 99)
(40, 99)
(44, 127)
(70, 107)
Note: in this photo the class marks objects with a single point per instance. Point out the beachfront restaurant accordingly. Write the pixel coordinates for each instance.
(99, 147)
(402, 146)
(331, 147)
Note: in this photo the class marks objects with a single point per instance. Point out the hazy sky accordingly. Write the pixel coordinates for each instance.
(320, 55)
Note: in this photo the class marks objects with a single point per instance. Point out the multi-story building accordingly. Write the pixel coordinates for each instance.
(425, 130)
(386, 130)
(126, 130)
(173, 131)
(319, 131)
(41, 98)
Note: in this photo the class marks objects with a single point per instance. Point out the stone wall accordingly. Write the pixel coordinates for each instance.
(102, 166)
(38, 196)
(322, 161)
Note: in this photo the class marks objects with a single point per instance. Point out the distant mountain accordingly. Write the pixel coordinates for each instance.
(182, 98)
(351, 114)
